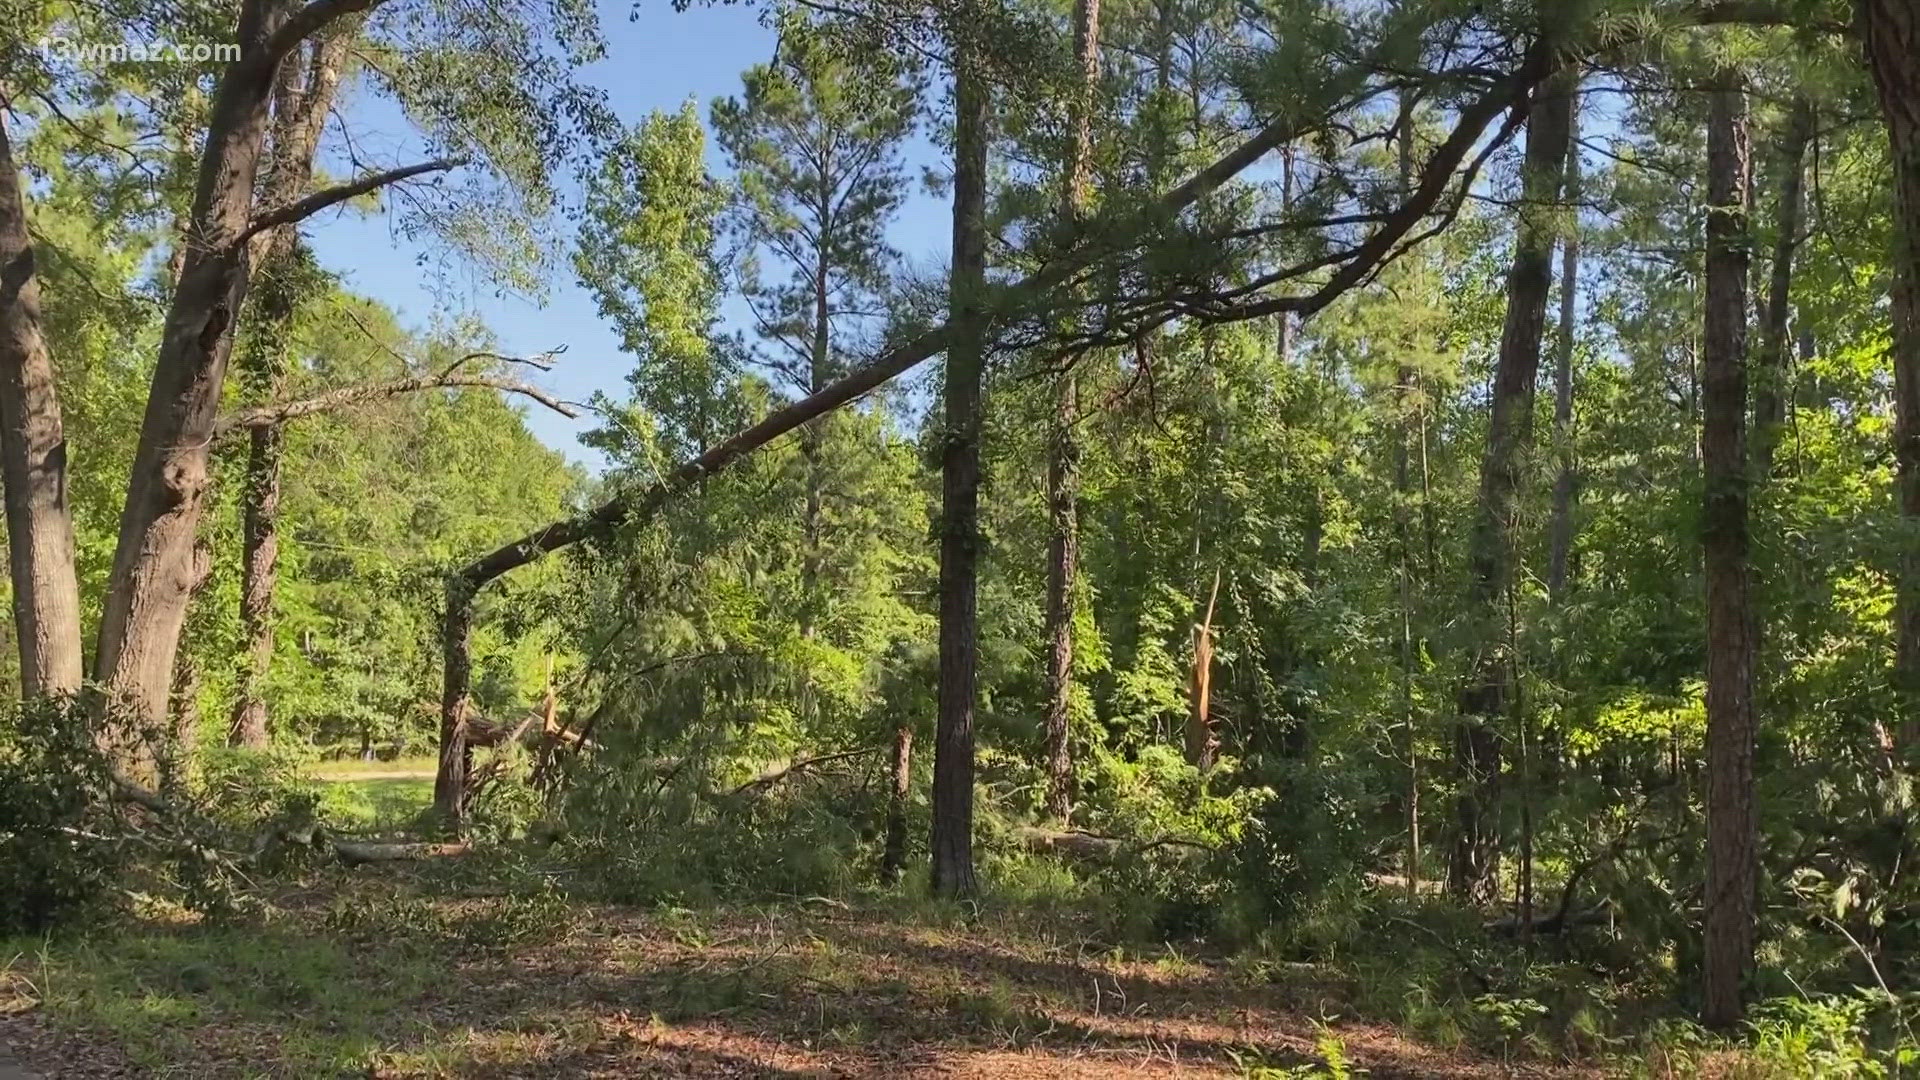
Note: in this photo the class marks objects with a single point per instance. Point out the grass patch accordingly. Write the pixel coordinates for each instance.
(376, 803)
(350, 768)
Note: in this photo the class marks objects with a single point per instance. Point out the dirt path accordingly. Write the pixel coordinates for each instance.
(33, 1049)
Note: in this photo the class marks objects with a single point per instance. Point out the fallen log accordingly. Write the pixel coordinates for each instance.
(357, 853)
(1093, 847)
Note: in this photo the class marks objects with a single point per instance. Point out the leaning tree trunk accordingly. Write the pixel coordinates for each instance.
(952, 834)
(153, 559)
(1731, 817)
(301, 103)
(33, 460)
(1770, 390)
(1891, 30)
(1063, 464)
(1474, 871)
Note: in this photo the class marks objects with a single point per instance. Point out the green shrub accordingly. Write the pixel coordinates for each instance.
(1866, 1033)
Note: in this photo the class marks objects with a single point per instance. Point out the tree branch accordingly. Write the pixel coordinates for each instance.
(768, 779)
(273, 415)
(310, 19)
(302, 209)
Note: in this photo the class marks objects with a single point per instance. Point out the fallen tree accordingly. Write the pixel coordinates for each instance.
(1040, 291)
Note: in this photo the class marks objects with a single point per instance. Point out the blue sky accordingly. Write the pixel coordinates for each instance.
(656, 60)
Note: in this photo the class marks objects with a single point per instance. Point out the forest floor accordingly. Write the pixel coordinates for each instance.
(361, 976)
(439, 971)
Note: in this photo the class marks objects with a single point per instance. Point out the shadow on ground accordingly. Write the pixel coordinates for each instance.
(804, 991)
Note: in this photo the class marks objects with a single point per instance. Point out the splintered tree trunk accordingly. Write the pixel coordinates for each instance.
(1731, 818)
(894, 859)
(1770, 390)
(952, 839)
(33, 461)
(1891, 31)
(1199, 735)
(153, 559)
(301, 100)
(1474, 870)
(1063, 464)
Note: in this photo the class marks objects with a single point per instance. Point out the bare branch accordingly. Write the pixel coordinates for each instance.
(305, 208)
(272, 415)
(542, 361)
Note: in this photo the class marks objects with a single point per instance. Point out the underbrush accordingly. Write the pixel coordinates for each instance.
(204, 831)
(218, 907)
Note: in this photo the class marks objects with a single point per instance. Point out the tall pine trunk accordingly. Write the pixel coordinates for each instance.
(301, 101)
(1566, 481)
(1063, 462)
(1406, 378)
(1731, 816)
(952, 834)
(812, 436)
(1770, 389)
(1474, 871)
(33, 461)
(1891, 31)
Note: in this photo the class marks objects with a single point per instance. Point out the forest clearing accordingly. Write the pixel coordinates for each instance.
(1262, 538)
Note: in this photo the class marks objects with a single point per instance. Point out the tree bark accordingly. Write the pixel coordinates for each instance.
(1732, 821)
(184, 703)
(302, 99)
(152, 567)
(1770, 390)
(1063, 462)
(1891, 31)
(456, 756)
(33, 461)
(1474, 870)
(952, 836)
